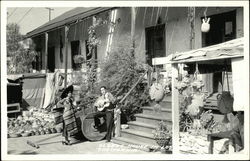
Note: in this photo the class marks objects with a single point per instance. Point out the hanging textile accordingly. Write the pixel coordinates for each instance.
(239, 84)
(33, 89)
(50, 88)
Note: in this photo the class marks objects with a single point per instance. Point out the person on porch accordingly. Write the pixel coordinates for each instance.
(236, 135)
(105, 104)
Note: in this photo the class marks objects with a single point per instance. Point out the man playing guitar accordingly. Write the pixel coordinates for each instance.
(105, 103)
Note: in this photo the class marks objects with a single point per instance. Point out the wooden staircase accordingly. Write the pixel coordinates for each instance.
(139, 133)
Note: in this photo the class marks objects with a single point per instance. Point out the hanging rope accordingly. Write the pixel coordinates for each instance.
(152, 15)
(205, 14)
(170, 41)
(157, 15)
(166, 15)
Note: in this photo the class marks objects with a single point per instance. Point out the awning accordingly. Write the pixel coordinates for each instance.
(67, 18)
(229, 49)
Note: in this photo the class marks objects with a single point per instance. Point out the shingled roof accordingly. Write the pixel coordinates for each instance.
(67, 18)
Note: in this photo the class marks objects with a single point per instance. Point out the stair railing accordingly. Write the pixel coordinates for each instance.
(118, 109)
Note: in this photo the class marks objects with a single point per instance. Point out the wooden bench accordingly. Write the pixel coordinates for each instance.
(217, 136)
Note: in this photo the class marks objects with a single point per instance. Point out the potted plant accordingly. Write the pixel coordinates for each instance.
(163, 137)
(79, 60)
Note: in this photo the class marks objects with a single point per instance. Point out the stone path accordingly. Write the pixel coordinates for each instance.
(51, 144)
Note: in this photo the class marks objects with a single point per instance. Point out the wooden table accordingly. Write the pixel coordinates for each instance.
(217, 136)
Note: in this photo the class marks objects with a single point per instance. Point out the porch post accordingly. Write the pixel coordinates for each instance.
(66, 54)
(175, 108)
(117, 123)
(46, 52)
(133, 17)
(192, 27)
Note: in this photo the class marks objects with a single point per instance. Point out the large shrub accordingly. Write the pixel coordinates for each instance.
(119, 72)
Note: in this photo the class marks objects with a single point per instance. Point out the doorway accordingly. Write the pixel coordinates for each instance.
(155, 42)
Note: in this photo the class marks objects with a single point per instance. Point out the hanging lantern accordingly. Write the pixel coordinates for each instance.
(205, 26)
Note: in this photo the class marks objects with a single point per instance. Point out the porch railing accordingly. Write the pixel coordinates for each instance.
(117, 109)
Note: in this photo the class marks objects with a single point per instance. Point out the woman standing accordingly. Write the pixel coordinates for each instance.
(69, 118)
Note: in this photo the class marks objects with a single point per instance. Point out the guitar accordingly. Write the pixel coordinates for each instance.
(101, 108)
(101, 104)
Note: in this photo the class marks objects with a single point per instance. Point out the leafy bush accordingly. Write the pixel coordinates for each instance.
(19, 59)
(119, 72)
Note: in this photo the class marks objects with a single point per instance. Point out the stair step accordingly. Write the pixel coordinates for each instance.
(154, 111)
(135, 125)
(167, 98)
(153, 119)
(130, 142)
(164, 104)
(141, 136)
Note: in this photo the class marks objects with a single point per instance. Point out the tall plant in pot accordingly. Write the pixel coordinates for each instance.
(163, 137)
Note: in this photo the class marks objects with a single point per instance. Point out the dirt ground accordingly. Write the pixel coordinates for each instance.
(51, 144)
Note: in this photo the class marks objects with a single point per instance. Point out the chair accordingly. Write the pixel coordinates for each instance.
(217, 136)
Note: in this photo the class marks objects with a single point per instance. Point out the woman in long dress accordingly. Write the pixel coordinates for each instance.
(69, 118)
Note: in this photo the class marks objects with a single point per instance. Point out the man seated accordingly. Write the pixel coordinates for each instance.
(236, 136)
(105, 105)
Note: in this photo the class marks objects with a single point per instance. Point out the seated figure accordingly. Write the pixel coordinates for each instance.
(236, 135)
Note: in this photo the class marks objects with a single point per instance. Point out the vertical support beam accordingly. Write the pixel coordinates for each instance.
(133, 17)
(117, 123)
(175, 108)
(192, 26)
(66, 29)
(46, 52)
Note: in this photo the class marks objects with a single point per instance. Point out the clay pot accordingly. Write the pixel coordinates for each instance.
(53, 130)
(59, 130)
(205, 26)
(37, 132)
(32, 133)
(163, 150)
(42, 132)
(48, 131)
(156, 92)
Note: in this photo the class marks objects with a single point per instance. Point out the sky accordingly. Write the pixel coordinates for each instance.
(30, 18)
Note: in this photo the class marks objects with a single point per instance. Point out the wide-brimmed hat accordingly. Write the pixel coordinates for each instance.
(69, 89)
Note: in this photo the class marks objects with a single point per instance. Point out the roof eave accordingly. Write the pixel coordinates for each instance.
(35, 33)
